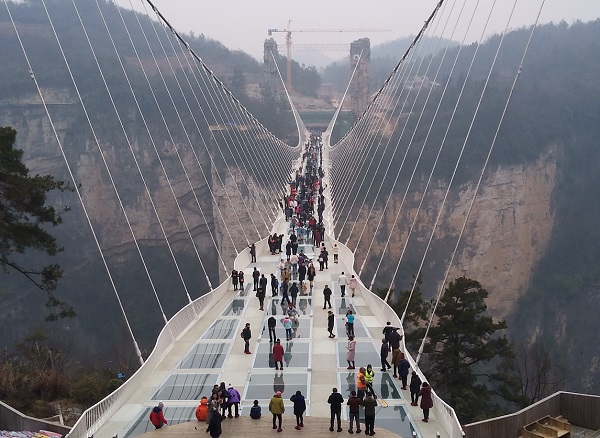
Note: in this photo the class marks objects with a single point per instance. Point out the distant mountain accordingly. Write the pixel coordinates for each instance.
(395, 49)
(384, 57)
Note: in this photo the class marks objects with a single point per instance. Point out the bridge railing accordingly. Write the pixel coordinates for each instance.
(383, 312)
(96, 416)
(93, 418)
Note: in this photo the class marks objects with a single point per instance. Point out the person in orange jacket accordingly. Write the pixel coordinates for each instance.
(202, 409)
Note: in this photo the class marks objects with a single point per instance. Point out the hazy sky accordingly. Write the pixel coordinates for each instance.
(243, 24)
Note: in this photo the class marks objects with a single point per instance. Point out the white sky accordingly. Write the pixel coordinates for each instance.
(243, 24)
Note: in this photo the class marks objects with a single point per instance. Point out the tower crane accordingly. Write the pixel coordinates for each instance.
(288, 42)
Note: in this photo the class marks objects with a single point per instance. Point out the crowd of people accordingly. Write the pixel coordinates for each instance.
(294, 278)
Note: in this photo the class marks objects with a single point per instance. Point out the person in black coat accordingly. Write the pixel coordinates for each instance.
(415, 387)
(385, 365)
(214, 425)
(326, 297)
(255, 277)
(247, 335)
(335, 401)
(299, 408)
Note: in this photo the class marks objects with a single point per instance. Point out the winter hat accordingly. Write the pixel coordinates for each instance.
(278, 393)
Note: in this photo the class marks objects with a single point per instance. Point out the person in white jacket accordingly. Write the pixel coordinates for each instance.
(342, 281)
(353, 284)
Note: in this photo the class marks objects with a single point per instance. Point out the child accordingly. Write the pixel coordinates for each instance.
(287, 325)
(255, 411)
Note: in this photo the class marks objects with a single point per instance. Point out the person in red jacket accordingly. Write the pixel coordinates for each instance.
(426, 400)
(156, 416)
(278, 354)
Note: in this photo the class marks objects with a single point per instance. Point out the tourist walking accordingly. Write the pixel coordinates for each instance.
(157, 418)
(353, 284)
(287, 325)
(415, 387)
(278, 354)
(255, 277)
(326, 297)
(241, 280)
(277, 408)
(369, 376)
(403, 367)
(274, 285)
(252, 253)
(233, 400)
(342, 280)
(234, 279)
(351, 347)
(214, 425)
(354, 411)
(350, 323)
(246, 336)
(260, 294)
(361, 383)
(426, 400)
(335, 401)
(385, 365)
(299, 408)
(310, 274)
(271, 324)
(330, 323)
(369, 404)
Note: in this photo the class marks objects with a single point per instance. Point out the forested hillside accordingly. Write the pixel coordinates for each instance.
(533, 237)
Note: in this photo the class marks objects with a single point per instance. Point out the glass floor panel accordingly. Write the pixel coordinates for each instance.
(209, 355)
(301, 330)
(365, 354)
(221, 329)
(247, 288)
(174, 415)
(394, 419)
(303, 305)
(341, 305)
(263, 386)
(186, 387)
(296, 354)
(236, 308)
(383, 384)
(359, 330)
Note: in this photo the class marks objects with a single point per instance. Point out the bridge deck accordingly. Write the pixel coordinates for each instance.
(212, 352)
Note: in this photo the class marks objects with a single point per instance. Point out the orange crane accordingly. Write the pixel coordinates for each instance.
(288, 42)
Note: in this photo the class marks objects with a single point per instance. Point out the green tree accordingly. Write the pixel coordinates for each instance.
(464, 353)
(23, 215)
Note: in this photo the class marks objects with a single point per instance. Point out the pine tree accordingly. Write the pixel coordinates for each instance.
(23, 214)
(464, 351)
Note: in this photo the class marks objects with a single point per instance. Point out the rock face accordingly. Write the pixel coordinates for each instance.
(162, 205)
(507, 233)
